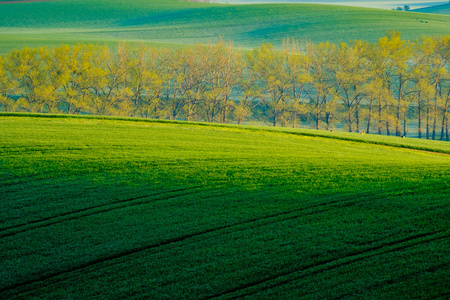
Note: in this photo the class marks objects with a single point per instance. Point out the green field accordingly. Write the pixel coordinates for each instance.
(438, 9)
(173, 23)
(125, 208)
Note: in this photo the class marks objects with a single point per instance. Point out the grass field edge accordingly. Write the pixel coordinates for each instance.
(291, 131)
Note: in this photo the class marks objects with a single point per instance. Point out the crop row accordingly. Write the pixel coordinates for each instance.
(118, 208)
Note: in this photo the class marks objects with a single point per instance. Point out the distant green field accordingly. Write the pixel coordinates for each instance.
(124, 208)
(438, 9)
(172, 23)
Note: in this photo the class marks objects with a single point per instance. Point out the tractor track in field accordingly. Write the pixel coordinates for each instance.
(253, 284)
(354, 257)
(126, 203)
(67, 216)
(334, 204)
(340, 203)
(87, 212)
(432, 269)
(174, 240)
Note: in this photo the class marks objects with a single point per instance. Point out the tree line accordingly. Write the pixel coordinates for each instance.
(366, 87)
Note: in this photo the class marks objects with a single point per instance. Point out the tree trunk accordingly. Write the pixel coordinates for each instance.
(428, 122)
(357, 118)
(434, 120)
(225, 109)
(369, 117)
(317, 118)
(446, 130)
(444, 121)
(350, 121)
(435, 113)
(399, 105)
(327, 119)
(420, 117)
(404, 125)
(379, 118)
(294, 120)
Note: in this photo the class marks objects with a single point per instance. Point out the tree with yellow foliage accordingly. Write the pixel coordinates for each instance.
(352, 77)
(31, 79)
(299, 77)
(320, 91)
(148, 77)
(6, 89)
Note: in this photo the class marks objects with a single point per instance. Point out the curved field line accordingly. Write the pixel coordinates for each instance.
(432, 269)
(336, 204)
(354, 257)
(356, 140)
(90, 211)
(125, 201)
(197, 234)
(174, 240)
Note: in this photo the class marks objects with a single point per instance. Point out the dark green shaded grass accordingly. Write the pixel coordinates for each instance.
(123, 208)
(175, 23)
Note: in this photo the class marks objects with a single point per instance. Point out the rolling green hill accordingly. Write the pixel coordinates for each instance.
(172, 23)
(125, 208)
(438, 9)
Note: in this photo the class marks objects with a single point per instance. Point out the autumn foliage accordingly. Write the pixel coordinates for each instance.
(366, 87)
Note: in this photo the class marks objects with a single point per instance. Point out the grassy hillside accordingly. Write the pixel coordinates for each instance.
(173, 22)
(122, 208)
(438, 9)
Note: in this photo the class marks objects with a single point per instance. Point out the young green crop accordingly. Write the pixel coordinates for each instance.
(173, 22)
(122, 208)
(443, 9)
